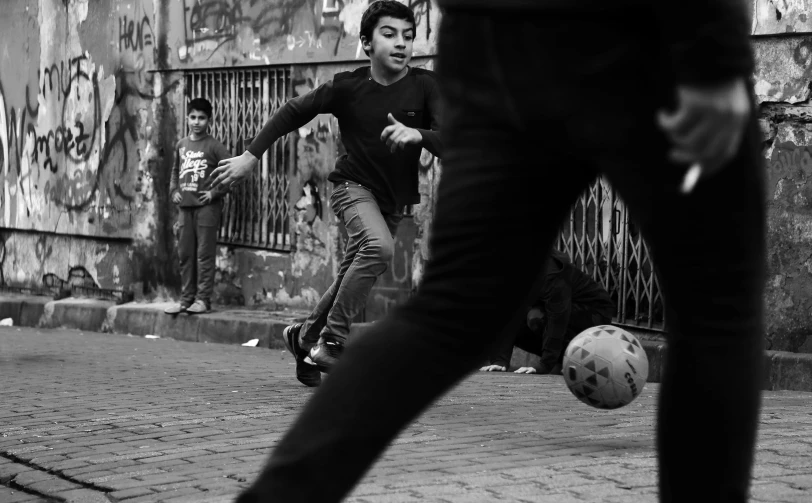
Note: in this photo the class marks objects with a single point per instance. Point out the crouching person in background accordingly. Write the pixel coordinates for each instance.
(570, 302)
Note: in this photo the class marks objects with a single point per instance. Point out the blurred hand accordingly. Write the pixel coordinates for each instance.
(177, 198)
(205, 197)
(493, 368)
(234, 170)
(396, 135)
(525, 370)
(708, 124)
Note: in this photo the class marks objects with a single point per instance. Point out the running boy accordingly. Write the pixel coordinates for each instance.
(388, 112)
(200, 206)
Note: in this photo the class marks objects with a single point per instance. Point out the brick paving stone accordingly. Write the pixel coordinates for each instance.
(8, 495)
(131, 493)
(84, 496)
(801, 481)
(161, 421)
(207, 497)
(778, 491)
(51, 486)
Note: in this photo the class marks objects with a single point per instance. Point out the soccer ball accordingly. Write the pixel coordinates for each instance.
(605, 367)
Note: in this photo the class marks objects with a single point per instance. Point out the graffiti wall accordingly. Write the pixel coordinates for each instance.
(252, 32)
(76, 97)
(53, 119)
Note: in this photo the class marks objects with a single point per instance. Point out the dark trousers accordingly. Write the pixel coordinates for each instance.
(197, 248)
(369, 249)
(537, 107)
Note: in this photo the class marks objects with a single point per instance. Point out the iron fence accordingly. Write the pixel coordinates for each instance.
(605, 244)
(256, 213)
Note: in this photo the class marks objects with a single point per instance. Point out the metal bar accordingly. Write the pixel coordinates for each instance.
(266, 197)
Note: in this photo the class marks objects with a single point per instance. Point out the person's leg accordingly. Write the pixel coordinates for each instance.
(710, 255)
(187, 248)
(709, 252)
(494, 185)
(208, 224)
(367, 227)
(311, 328)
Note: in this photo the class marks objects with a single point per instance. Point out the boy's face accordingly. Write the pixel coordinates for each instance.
(198, 122)
(391, 46)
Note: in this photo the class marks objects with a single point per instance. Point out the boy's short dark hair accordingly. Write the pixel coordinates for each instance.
(384, 8)
(201, 105)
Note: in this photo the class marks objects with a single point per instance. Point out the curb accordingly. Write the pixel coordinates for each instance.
(224, 327)
(783, 370)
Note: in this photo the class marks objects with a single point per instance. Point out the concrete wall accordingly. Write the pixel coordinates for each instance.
(783, 43)
(78, 187)
(91, 101)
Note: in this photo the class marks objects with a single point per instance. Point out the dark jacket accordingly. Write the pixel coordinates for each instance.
(707, 41)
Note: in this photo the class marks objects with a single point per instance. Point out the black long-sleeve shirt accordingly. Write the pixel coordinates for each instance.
(707, 40)
(361, 106)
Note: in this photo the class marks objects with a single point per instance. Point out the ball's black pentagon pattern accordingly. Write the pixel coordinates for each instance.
(600, 367)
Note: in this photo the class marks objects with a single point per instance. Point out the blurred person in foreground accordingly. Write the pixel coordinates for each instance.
(540, 98)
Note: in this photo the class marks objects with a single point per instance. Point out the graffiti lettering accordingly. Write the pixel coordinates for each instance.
(76, 127)
(56, 136)
(134, 35)
(65, 83)
(295, 24)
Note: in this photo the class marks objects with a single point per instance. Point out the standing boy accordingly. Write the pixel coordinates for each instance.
(388, 112)
(196, 156)
(514, 75)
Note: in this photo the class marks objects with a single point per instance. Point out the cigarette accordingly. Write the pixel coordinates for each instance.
(691, 177)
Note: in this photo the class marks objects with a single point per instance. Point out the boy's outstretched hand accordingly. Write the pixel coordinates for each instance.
(205, 197)
(708, 124)
(231, 171)
(396, 135)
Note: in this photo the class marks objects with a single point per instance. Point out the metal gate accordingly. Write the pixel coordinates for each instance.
(605, 244)
(256, 213)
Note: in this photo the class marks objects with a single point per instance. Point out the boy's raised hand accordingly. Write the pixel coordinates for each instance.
(396, 135)
(231, 171)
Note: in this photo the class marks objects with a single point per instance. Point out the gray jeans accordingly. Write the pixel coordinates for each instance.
(369, 249)
(197, 248)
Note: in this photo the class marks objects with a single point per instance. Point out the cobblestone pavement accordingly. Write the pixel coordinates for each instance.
(89, 417)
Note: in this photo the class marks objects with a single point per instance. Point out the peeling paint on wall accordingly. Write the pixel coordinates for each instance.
(783, 69)
(229, 32)
(782, 16)
(53, 260)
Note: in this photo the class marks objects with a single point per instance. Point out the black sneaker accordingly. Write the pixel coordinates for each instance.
(306, 373)
(325, 354)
